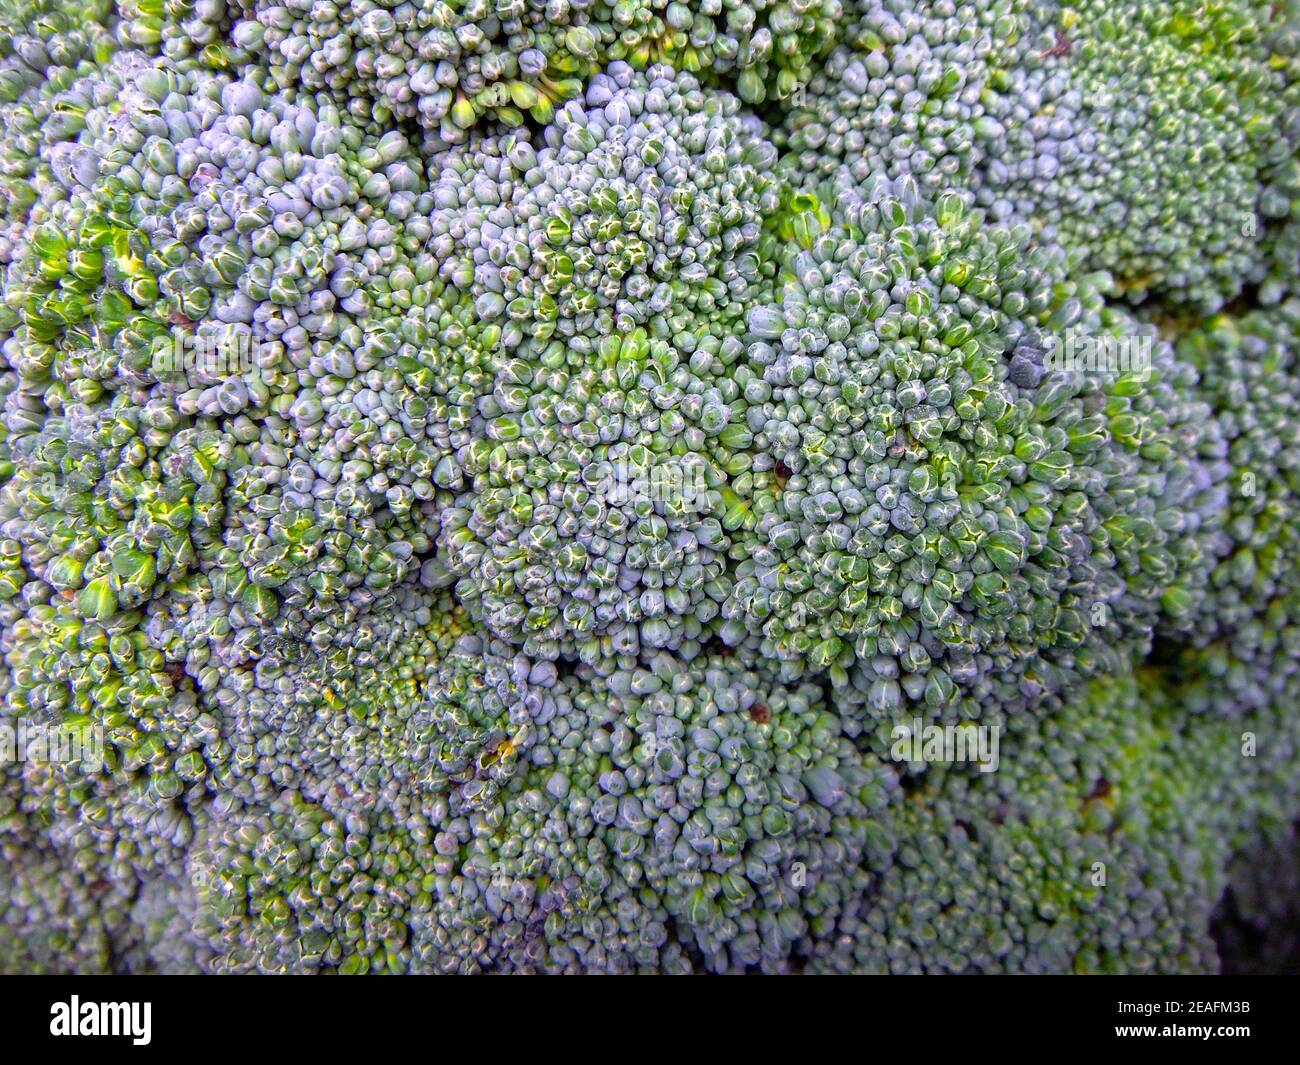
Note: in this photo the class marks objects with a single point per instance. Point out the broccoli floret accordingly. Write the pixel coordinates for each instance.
(450, 66)
(1099, 846)
(50, 55)
(204, 361)
(1158, 141)
(615, 260)
(908, 93)
(1141, 134)
(1249, 370)
(948, 508)
(671, 817)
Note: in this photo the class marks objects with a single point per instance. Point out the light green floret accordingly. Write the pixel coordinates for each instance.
(452, 66)
(950, 507)
(615, 260)
(1099, 846)
(324, 717)
(1249, 371)
(1145, 136)
(272, 489)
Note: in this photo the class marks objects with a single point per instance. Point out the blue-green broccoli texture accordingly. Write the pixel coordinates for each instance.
(627, 486)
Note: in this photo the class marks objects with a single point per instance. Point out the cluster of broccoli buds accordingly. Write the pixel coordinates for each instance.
(947, 514)
(493, 481)
(616, 260)
(1157, 140)
(453, 66)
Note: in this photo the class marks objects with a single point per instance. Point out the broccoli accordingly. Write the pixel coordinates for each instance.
(949, 515)
(1158, 140)
(452, 66)
(1100, 847)
(640, 488)
(1249, 374)
(617, 260)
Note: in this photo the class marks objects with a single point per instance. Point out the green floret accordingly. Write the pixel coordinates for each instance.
(1099, 846)
(198, 302)
(205, 421)
(1279, 205)
(909, 92)
(94, 798)
(287, 888)
(499, 486)
(451, 67)
(52, 920)
(50, 54)
(943, 500)
(1250, 378)
(615, 262)
(1157, 141)
(673, 814)
(182, 30)
(323, 708)
(668, 818)
(1144, 135)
